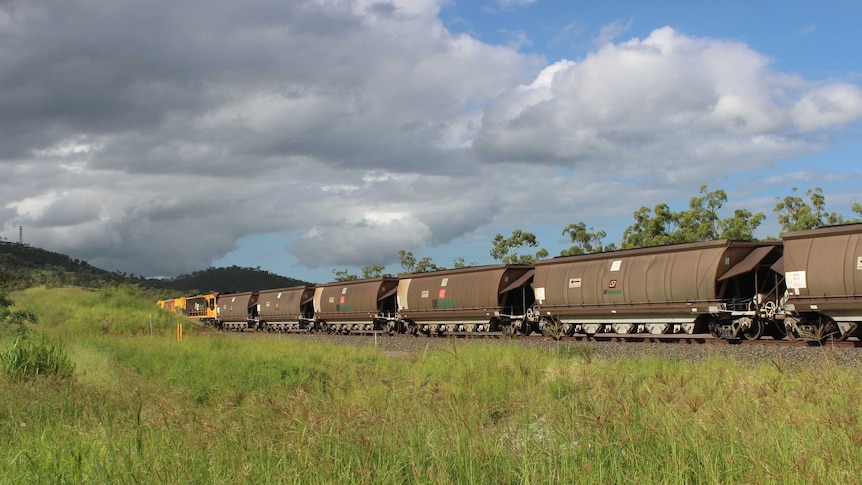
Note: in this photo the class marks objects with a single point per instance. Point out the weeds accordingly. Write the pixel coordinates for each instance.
(28, 359)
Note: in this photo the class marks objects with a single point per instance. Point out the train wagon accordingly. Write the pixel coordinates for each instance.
(823, 271)
(236, 311)
(286, 309)
(478, 299)
(689, 288)
(358, 305)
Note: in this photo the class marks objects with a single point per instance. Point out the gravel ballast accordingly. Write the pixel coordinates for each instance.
(781, 355)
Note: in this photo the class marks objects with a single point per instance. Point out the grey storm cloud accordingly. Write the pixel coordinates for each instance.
(131, 128)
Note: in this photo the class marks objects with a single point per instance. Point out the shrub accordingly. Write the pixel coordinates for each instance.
(14, 320)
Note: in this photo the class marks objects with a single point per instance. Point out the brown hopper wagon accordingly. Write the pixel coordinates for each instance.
(359, 305)
(686, 288)
(823, 271)
(236, 311)
(286, 309)
(478, 299)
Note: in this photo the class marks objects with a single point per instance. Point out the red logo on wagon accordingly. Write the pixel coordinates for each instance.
(612, 284)
(442, 293)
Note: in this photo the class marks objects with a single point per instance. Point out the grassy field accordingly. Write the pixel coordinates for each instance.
(140, 407)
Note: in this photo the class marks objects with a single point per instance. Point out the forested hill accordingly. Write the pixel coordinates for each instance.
(233, 278)
(23, 266)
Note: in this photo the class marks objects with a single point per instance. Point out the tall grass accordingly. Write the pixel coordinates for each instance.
(26, 358)
(220, 408)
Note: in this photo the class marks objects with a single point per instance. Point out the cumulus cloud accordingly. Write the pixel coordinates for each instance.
(669, 103)
(831, 105)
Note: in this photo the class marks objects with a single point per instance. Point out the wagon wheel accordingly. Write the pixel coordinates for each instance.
(714, 329)
(518, 327)
(825, 329)
(508, 329)
(754, 331)
(840, 337)
(526, 328)
(776, 331)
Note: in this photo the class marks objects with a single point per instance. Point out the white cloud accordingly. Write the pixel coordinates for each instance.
(508, 4)
(669, 103)
(611, 31)
(831, 105)
(374, 239)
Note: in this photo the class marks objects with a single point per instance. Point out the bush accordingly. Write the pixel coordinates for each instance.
(14, 320)
(28, 359)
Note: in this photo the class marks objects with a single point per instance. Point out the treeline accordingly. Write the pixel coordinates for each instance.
(23, 266)
(658, 226)
(231, 279)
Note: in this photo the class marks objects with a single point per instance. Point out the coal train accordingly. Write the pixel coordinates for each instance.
(808, 285)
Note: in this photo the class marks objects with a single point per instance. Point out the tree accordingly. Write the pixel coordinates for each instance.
(506, 249)
(700, 222)
(372, 271)
(585, 240)
(411, 265)
(649, 230)
(461, 263)
(344, 275)
(794, 214)
(408, 262)
(741, 226)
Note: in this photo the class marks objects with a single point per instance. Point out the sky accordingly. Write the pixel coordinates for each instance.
(159, 138)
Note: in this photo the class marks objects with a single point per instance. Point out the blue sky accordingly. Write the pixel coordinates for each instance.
(159, 138)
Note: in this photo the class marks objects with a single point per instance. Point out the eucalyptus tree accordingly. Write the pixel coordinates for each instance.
(412, 265)
(795, 214)
(585, 240)
(506, 249)
(700, 222)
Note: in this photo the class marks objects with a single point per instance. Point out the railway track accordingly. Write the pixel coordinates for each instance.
(678, 339)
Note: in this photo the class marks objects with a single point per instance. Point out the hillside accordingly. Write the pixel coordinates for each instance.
(233, 278)
(23, 266)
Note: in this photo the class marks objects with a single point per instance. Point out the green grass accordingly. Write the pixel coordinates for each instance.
(221, 409)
